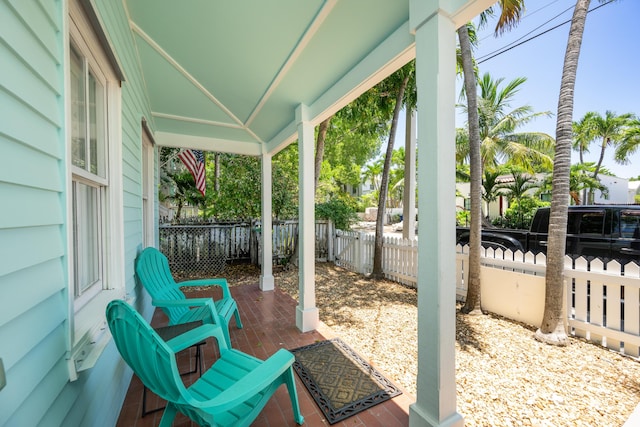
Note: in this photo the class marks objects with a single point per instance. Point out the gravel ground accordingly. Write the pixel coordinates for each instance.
(504, 377)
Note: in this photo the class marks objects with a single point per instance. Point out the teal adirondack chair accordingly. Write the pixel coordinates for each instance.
(152, 269)
(230, 393)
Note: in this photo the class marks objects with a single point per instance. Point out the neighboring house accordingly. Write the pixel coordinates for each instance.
(618, 190)
(633, 192)
(90, 88)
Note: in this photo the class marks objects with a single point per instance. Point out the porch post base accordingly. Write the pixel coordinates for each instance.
(307, 320)
(267, 283)
(418, 417)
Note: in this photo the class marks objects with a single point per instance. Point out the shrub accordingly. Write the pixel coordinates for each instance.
(340, 211)
(521, 212)
(463, 218)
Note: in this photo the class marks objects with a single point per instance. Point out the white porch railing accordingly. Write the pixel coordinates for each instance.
(602, 300)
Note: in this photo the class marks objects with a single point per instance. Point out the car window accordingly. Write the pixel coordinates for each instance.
(630, 224)
(592, 223)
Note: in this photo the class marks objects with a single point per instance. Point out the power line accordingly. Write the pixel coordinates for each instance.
(503, 50)
(528, 15)
(525, 35)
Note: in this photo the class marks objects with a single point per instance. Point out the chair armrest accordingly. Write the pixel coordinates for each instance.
(197, 335)
(209, 282)
(191, 302)
(187, 302)
(255, 381)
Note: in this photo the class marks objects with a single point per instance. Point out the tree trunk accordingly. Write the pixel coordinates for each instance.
(216, 177)
(322, 134)
(377, 272)
(605, 142)
(472, 302)
(552, 330)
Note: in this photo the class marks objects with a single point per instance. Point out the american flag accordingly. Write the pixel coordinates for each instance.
(194, 161)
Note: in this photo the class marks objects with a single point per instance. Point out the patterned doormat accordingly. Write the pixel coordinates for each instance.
(340, 381)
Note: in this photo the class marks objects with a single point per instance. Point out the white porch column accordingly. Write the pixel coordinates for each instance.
(266, 278)
(409, 200)
(435, 74)
(307, 317)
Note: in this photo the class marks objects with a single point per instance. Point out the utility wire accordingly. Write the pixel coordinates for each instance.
(528, 15)
(525, 35)
(537, 35)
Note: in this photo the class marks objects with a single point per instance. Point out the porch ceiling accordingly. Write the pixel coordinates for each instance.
(229, 75)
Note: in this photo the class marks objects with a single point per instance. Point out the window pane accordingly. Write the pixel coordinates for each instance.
(78, 112)
(630, 224)
(86, 234)
(96, 126)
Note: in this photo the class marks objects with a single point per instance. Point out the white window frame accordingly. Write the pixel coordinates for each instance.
(88, 335)
(148, 189)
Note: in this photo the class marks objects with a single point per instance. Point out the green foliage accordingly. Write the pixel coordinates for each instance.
(463, 218)
(240, 194)
(342, 211)
(520, 213)
(353, 138)
(502, 142)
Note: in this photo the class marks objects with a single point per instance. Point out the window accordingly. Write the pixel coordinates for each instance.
(630, 224)
(467, 204)
(89, 176)
(592, 223)
(148, 229)
(94, 190)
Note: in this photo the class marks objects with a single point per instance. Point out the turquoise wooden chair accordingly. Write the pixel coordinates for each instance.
(152, 269)
(230, 393)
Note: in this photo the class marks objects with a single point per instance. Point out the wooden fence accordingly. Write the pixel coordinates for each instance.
(207, 248)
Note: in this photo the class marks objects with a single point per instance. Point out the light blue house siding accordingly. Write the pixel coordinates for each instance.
(34, 290)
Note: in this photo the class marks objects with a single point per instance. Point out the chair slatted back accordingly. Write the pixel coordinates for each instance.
(152, 269)
(145, 352)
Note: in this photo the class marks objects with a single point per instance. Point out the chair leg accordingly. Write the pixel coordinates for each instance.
(144, 403)
(199, 367)
(225, 331)
(236, 314)
(168, 416)
(293, 395)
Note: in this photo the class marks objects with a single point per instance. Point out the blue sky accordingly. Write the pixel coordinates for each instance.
(608, 75)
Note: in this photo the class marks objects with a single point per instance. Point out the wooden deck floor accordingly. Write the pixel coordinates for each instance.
(269, 324)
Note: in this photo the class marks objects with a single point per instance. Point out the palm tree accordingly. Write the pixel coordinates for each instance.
(509, 16)
(372, 172)
(552, 330)
(518, 189)
(396, 178)
(630, 143)
(396, 84)
(580, 180)
(610, 129)
(501, 141)
(491, 186)
(582, 136)
(472, 302)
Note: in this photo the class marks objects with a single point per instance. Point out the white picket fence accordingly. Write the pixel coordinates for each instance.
(602, 300)
(354, 251)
